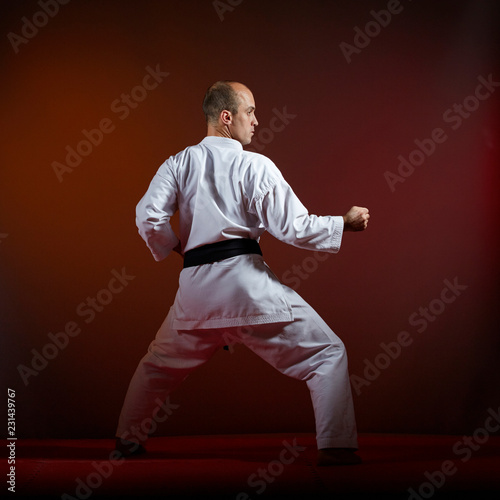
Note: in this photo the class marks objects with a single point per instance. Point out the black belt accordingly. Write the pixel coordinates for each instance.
(221, 250)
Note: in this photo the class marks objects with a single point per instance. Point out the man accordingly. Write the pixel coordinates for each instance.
(227, 198)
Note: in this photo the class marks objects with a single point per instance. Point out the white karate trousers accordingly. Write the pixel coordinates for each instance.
(304, 349)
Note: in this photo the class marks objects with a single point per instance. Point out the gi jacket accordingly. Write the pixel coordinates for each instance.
(223, 192)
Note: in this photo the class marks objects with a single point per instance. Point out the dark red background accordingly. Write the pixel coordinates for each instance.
(60, 241)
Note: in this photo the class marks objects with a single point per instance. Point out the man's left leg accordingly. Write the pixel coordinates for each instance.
(307, 349)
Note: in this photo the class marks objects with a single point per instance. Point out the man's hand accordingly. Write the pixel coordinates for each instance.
(356, 219)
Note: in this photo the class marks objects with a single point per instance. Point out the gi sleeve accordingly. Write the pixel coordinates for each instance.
(285, 217)
(153, 213)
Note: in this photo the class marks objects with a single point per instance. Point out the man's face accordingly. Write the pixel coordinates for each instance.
(243, 124)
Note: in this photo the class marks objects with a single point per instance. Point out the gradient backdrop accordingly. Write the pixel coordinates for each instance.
(339, 111)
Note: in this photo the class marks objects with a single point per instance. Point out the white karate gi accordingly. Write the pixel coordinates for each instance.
(224, 192)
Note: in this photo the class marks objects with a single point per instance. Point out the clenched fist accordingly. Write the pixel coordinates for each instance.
(356, 219)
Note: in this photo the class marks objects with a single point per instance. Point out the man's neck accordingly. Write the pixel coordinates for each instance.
(218, 131)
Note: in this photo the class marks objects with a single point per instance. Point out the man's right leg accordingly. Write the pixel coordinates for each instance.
(170, 358)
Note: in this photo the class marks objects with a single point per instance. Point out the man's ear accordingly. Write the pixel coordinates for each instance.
(226, 117)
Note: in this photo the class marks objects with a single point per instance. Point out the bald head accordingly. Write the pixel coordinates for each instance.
(222, 95)
(229, 108)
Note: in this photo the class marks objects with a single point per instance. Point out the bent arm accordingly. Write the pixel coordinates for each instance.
(153, 214)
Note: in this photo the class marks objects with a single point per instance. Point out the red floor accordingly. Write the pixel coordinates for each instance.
(244, 467)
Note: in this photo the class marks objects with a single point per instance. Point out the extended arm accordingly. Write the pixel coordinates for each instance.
(286, 218)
